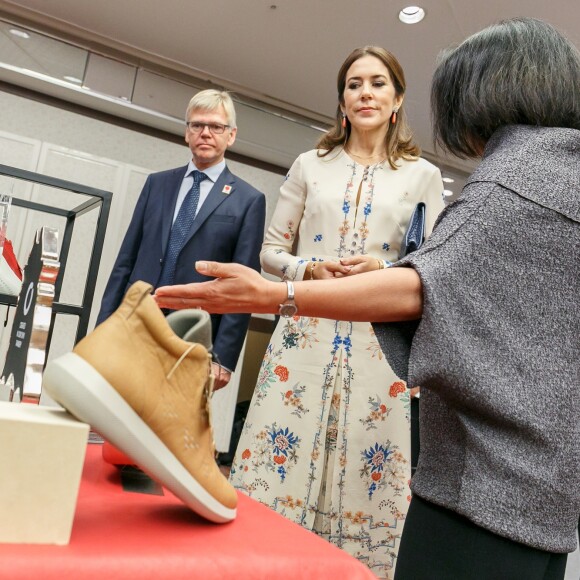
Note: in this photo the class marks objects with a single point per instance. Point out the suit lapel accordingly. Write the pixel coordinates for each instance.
(217, 195)
(169, 195)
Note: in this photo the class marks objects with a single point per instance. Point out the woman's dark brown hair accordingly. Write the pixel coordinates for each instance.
(516, 72)
(398, 140)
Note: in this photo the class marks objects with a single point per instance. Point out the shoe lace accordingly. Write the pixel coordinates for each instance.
(207, 391)
(180, 360)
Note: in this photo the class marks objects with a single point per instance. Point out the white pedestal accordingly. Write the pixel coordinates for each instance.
(42, 452)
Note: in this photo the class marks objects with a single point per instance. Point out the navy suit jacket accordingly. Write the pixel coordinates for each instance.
(228, 228)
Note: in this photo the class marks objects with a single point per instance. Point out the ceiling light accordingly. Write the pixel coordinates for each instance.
(411, 14)
(447, 192)
(75, 80)
(19, 33)
(448, 179)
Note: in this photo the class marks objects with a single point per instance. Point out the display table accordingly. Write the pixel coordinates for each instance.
(123, 535)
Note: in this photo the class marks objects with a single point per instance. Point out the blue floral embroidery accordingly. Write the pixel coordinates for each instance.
(347, 343)
(346, 207)
(386, 246)
(375, 459)
(318, 238)
(283, 441)
(367, 209)
(337, 341)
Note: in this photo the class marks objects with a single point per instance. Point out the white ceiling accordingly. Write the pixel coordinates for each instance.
(285, 52)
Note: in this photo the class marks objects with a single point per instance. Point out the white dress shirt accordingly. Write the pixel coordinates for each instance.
(205, 186)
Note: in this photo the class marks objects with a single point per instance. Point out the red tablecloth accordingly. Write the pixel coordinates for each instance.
(134, 536)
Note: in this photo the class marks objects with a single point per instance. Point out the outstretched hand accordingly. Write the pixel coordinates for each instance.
(235, 289)
(389, 295)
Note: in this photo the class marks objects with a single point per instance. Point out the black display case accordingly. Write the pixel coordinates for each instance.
(93, 200)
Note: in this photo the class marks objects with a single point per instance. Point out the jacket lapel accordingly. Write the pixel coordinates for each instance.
(169, 196)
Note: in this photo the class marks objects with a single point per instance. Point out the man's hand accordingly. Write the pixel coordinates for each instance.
(222, 376)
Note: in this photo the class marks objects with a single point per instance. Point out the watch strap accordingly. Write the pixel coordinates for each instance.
(288, 308)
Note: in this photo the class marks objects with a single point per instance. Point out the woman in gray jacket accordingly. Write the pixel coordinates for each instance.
(495, 296)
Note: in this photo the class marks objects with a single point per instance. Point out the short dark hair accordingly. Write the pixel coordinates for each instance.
(520, 71)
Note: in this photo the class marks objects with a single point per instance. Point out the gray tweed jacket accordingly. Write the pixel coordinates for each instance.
(497, 351)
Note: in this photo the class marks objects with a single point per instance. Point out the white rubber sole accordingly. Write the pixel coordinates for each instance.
(81, 390)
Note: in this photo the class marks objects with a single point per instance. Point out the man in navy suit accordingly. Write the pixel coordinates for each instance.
(228, 225)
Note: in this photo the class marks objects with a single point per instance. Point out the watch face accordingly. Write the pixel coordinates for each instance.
(287, 310)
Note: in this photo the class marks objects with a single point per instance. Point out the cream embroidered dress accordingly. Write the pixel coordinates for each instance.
(327, 439)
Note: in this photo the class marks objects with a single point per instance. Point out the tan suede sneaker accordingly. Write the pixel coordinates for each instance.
(147, 391)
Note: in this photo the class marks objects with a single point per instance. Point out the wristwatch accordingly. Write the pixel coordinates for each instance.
(288, 308)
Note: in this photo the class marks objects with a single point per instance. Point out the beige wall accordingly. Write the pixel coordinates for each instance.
(57, 142)
(60, 143)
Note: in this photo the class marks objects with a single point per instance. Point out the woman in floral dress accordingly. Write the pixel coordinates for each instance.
(326, 442)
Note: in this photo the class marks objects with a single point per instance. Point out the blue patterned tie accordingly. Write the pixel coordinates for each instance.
(180, 229)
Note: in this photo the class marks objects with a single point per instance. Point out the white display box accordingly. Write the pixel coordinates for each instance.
(42, 451)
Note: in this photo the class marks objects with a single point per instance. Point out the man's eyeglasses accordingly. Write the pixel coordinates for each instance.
(215, 128)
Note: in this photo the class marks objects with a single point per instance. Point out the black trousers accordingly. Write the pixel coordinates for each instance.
(438, 544)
